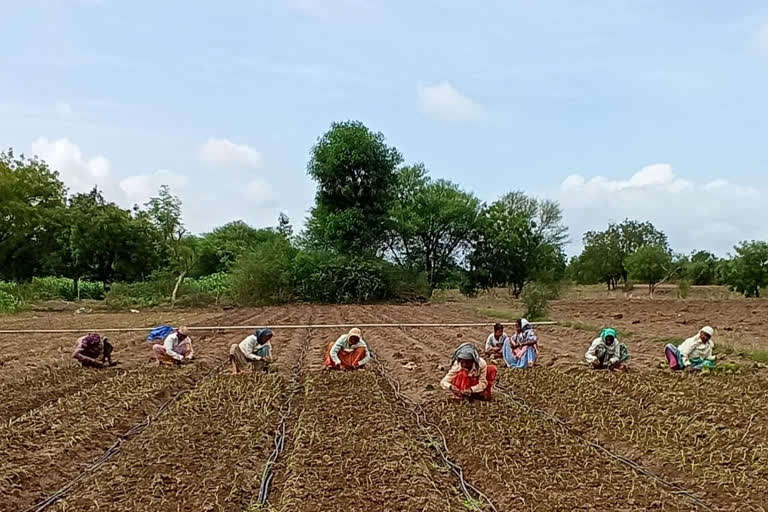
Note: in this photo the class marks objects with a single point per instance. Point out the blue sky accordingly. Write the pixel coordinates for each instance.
(644, 109)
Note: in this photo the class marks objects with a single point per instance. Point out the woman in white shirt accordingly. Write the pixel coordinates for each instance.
(176, 348)
(348, 352)
(694, 353)
(254, 353)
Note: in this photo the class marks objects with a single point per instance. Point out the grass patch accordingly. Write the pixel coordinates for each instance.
(500, 314)
(759, 356)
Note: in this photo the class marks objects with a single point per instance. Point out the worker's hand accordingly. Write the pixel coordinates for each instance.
(467, 392)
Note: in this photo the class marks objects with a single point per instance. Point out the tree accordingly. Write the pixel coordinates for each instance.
(605, 252)
(432, 220)
(651, 264)
(164, 210)
(32, 202)
(747, 272)
(701, 268)
(355, 173)
(511, 250)
(284, 226)
(222, 247)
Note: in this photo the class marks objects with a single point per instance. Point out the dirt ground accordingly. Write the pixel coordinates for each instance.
(558, 437)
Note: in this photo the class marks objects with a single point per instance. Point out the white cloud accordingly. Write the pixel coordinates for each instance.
(761, 37)
(78, 173)
(224, 153)
(140, 188)
(64, 109)
(714, 215)
(259, 193)
(445, 102)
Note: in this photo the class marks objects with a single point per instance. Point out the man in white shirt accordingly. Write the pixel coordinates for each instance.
(495, 341)
(176, 348)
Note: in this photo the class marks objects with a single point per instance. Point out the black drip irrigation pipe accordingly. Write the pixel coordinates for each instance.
(671, 487)
(470, 492)
(266, 478)
(113, 450)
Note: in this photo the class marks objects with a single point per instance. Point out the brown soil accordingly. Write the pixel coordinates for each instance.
(705, 433)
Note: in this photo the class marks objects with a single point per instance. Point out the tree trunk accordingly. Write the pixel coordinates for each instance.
(77, 289)
(176, 287)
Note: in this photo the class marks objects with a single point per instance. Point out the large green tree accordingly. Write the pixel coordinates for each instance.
(432, 221)
(32, 202)
(605, 252)
(223, 246)
(747, 272)
(511, 249)
(355, 171)
(651, 264)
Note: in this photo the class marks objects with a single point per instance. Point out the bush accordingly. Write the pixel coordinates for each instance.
(264, 275)
(8, 303)
(406, 285)
(536, 299)
(331, 278)
(684, 288)
(216, 285)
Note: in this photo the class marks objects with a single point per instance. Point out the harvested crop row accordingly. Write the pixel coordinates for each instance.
(352, 449)
(206, 453)
(724, 460)
(527, 463)
(51, 444)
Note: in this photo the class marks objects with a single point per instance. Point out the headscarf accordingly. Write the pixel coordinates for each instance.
(92, 339)
(525, 324)
(708, 330)
(262, 335)
(183, 331)
(608, 331)
(354, 332)
(468, 352)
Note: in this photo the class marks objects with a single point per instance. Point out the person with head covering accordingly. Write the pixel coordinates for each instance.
(469, 376)
(176, 348)
(522, 349)
(495, 341)
(607, 352)
(348, 352)
(94, 351)
(694, 353)
(253, 353)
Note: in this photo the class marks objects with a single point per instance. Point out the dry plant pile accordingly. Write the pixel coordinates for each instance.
(47, 446)
(206, 453)
(351, 448)
(526, 462)
(709, 434)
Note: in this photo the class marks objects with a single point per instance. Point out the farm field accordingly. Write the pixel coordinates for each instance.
(559, 437)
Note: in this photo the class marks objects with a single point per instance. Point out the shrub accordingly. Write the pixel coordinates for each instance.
(536, 299)
(216, 285)
(332, 278)
(264, 275)
(684, 288)
(8, 303)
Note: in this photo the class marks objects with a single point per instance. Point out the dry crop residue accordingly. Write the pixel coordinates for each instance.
(205, 454)
(351, 448)
(707, 433)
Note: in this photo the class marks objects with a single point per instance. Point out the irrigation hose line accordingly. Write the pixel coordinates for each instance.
(442, 447)
(248, 327)
(113, 450)
(678, 491)
(285, 413)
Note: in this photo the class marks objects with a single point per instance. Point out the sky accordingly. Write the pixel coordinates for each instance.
(643, 109)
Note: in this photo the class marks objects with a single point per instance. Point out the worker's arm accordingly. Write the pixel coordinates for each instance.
(336, 348)
(447, 382)
(685, 349)
(590, 355)
(368, 356)
(168, 346)
(530, 339)
(250, 348)
(482, 383)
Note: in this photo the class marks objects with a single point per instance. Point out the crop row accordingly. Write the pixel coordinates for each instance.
(351, 448)
(722, 457)
(48, 445)
(206, 453)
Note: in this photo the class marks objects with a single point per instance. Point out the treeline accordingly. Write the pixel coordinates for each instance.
(379, 230)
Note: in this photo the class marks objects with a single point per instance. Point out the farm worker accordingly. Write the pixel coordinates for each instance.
(607, 352)
(93, 351)
(522, 349)
(694, 353)
(470, 376)
(176, 348)
(253, 353)
(495, 341)
(348, 352)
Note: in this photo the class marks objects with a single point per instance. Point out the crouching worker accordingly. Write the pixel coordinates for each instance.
(495, 341)
(470, 376)
(176, 348)
(348, 352)
(694, 353)
(522, 349)
(94, 351)
(254, 353)
(607, 352)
